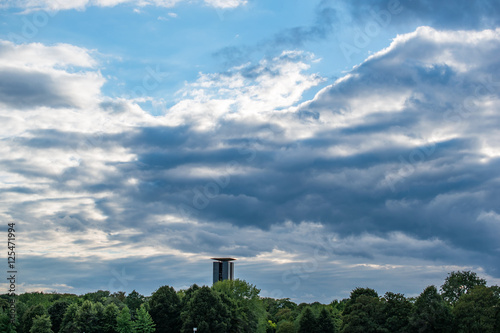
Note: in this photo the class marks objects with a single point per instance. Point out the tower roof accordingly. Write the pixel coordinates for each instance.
(223, 259)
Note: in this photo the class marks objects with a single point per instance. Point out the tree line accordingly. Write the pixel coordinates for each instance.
(464, 303)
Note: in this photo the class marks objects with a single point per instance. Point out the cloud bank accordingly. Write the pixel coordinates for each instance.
(392, 171)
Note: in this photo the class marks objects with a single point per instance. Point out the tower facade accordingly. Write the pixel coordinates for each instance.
(223, 269)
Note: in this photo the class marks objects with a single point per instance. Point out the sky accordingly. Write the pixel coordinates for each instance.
(326, 144)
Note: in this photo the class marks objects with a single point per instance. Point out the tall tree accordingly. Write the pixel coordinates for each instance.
(431, 313)
(243, 301)
(89, 317)
(207, 312)
(111, 312)
(458, 283)
(99, 311)
(478, 310)
(134, 301)
(56, 312)
(124, 322)
(165, 309)
(358, 292)
(186, 295)
(307, 322)
(397, 310)
(143, 322)
(30, 314)
(363, 312)
(69, 324)
(325, 322)
(41, 324)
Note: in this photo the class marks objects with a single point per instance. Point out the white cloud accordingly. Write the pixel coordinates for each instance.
(36, 55)
(418, 71)
(245, 94)
(226, 3)
(54, 76)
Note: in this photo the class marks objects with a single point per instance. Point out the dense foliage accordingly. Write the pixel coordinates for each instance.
(463, 304)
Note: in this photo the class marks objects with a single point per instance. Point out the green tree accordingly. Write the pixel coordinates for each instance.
(99, 311)
(134, 300)
(89, 317)
(458, 283)
(186, 295)
(21, 309)
(279, 309)
(286, 327)
(272, 306)
(357, 293)
(363, 312)
(5, 325)
(144, 323)
(56, 312)
(236, 316)
(307, 322)
(207, 312)
(4, 302)
(431, 313)
(30, 314)
(478, 310)
(111, 313)
(124, 322)
(397, 310)
(41, 324)
(243, 301)
(68, 324)
(165, 309)
(325, 322)
(337, 308)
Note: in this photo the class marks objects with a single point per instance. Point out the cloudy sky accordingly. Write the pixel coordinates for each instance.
(326, 144)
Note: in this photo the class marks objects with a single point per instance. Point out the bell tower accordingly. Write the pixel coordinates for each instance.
(223, 269)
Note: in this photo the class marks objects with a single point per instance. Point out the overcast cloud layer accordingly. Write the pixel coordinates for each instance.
(387, 178)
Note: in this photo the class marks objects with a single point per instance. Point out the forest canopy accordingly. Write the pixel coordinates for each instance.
(464, 303)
